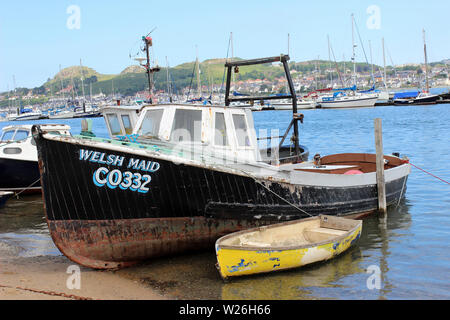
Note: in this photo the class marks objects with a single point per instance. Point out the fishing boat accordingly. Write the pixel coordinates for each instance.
(4, 196)
(189, 174)
(285, 245)
(19, 168)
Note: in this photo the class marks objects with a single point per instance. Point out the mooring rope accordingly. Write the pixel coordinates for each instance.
(17, 194)
(268, 189)
(407, 161)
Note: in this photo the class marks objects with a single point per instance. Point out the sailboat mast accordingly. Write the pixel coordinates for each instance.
(232, 55)
(371, 62)
(288, 44)
(167, 75)
(82, 83)
(329, 59)
(62, 87)
(384, 64)
(199, 89)
(426, 62)
(353, 50)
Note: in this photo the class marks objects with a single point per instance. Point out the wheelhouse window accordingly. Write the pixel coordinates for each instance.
(187, 126)
(127, 124)
(21, 135)
(241, 130)
(151, 123)
(114, 124)
(8, 135)
(220, 131)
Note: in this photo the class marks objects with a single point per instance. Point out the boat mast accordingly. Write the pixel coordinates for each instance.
(426, 62)
(288, 45)
(329, 59)
(353, 50)
(62, 86)
(148, 42)
(371, 63)
(384, 64)
(82, 83)
(199, 88)
(167, 75)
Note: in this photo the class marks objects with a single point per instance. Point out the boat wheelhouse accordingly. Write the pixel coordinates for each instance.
(218, 132)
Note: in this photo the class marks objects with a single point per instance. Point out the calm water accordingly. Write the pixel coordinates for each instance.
(411, 250)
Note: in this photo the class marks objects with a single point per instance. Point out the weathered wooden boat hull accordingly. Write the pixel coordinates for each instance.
(235, 260)
(186, 207)
(109, 244)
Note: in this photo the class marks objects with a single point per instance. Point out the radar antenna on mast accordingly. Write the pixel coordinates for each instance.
(148, 42)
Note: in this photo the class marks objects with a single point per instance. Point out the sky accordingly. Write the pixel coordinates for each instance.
(36, 37)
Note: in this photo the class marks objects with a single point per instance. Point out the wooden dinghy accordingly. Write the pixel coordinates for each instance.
(285, 245)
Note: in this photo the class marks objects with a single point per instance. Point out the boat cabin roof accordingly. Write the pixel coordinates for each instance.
(20, 132)
(44, 127)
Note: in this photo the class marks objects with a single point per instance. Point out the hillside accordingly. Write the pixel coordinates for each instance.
(133, 78)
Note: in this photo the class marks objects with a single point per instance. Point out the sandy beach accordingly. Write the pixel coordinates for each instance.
(45, 278)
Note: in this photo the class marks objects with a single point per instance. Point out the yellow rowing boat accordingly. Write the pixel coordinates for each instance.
(285, 245)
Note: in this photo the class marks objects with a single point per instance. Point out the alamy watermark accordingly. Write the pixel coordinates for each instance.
(374, 20)
(74, 20)
(74, 280)
(374, 280)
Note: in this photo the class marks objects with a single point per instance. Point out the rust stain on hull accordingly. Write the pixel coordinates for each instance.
(114, 244)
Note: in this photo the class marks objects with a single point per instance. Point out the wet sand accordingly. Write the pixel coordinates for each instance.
(45, 278)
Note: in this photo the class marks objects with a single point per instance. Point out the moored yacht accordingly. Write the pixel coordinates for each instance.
(343, 100)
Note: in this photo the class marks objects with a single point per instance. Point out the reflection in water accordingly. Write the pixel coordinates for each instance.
(23, 229)
(294, 284)
(194, 276)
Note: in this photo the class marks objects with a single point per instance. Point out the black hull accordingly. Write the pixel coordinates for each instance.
(186, 207)
(19, 174)
(432, 99)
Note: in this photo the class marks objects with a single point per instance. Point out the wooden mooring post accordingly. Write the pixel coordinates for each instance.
(381, 186)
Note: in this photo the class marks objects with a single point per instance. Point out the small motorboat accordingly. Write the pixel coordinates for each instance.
(285, 245)
(19, 167)
(4, 196)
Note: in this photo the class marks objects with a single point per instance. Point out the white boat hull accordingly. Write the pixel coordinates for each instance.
(350, 102)
(28, 117)
(300, 105)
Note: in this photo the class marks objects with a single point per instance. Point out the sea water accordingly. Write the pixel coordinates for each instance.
(406, 258)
